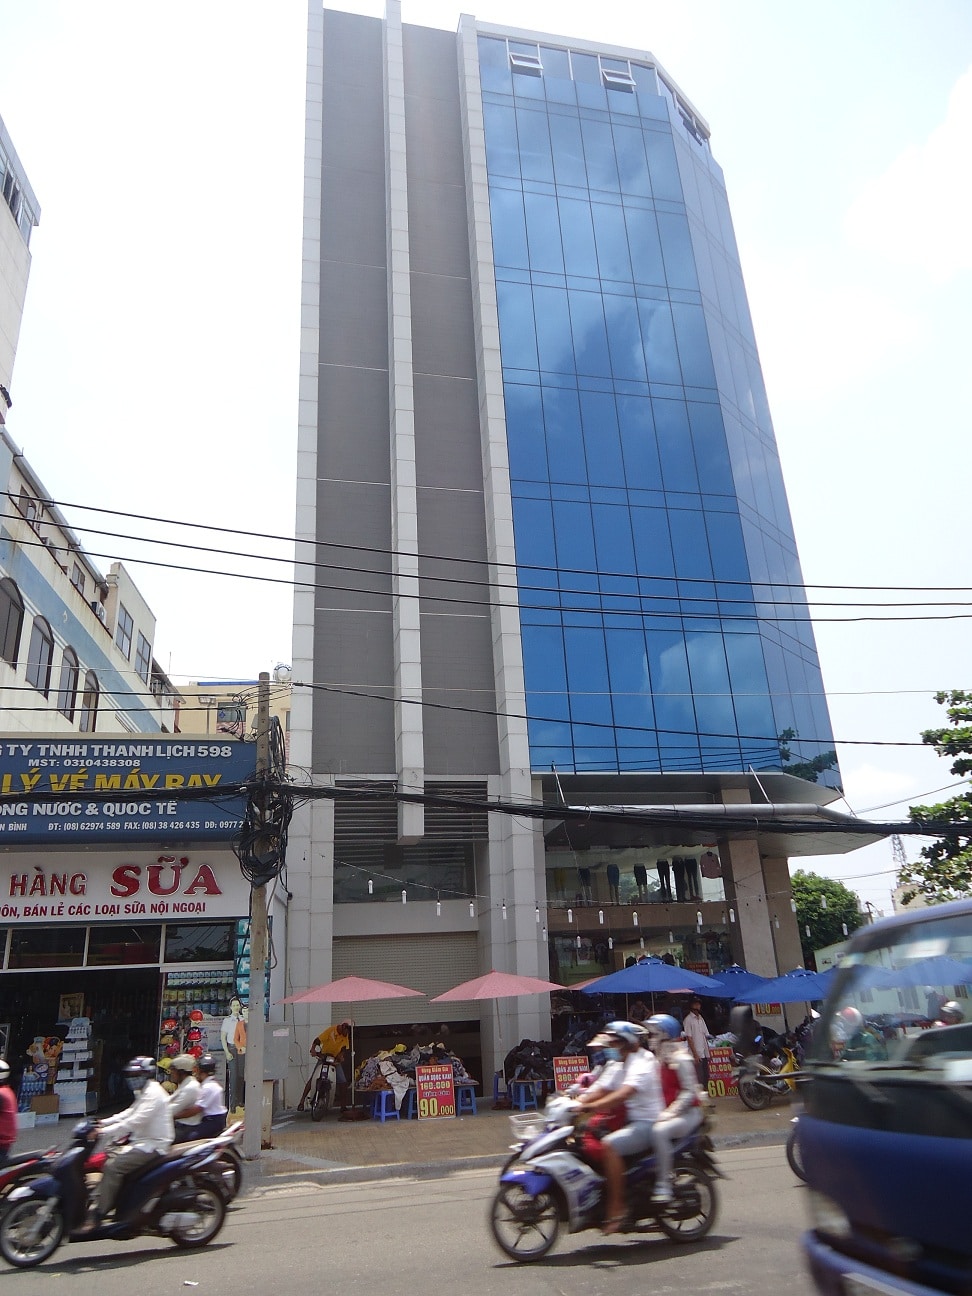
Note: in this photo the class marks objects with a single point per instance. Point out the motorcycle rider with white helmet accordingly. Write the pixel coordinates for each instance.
(636, 1087)
(148, 1122)
(683, 1111)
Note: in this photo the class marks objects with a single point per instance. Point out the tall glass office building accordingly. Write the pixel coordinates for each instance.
(545, 552)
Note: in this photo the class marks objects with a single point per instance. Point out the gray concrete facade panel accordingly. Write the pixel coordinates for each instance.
(353, 733)
(353, 328)
(447, 451)
(443, 329)
(353, 216)
(353, 419)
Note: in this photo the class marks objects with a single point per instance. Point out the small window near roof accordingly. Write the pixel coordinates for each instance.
(614, 80)
(529, 63)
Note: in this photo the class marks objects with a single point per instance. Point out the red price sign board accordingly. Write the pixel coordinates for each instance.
(567, 1069)
(721, 1082)
(767, 1009)
(435, 1091)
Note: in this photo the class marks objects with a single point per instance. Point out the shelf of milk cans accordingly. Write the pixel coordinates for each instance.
(75, 1071)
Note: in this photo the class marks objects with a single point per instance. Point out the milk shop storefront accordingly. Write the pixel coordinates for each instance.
(121, 902)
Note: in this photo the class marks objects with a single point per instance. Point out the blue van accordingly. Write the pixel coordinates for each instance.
(886, 1133)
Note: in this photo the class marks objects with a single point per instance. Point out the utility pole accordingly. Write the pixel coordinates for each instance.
(253, 1094)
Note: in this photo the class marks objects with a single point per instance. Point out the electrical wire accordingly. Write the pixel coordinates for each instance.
(290, 539)
(521, 588)
(707, 596)
(679, 614)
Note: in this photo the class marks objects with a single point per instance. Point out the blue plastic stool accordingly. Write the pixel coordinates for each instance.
(465, 1099)
(497, 1081)
(385, 1107)
(524, 1094)
(410, 1105)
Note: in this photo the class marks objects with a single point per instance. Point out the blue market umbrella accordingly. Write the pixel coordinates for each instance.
(735, 980)
(797, 986)
(651, 976)
(939, 970)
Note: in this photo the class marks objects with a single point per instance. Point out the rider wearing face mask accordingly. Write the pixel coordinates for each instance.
(680, 1089)
(633, 1085)
(148, 1122)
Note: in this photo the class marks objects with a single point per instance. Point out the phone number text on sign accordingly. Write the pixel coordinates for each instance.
(435, 1091)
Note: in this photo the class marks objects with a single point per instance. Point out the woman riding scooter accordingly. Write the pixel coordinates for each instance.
(683, 1103)
(636, 1087)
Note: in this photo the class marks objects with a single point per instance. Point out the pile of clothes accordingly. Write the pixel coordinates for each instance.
(395, 1068)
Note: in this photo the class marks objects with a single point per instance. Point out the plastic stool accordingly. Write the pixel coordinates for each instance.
(410, 1105)
(385, 1107)
(497, 1082)
(524, 1094)
(465, 1099)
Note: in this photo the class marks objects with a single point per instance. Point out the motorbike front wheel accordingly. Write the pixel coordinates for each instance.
(754, 1093)
(525, 1226)
(28, 1234)
(693, 1210)
(322, 1100)
(793, 1154)
(209, 1207)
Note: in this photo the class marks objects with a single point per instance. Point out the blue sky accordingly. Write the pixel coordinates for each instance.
(157, 369)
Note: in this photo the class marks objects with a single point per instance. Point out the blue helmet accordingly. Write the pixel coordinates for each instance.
(664, 1025)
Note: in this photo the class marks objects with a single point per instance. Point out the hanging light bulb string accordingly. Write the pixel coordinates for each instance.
(485, 903)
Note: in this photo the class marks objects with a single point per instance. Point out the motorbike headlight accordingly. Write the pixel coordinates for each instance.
(828, 1216)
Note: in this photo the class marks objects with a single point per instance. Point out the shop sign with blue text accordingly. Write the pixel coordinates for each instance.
(120, 788)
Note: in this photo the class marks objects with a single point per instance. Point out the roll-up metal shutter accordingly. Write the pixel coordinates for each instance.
(431, 963)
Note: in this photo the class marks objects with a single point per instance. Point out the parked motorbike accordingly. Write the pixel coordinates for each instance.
(323, 1085)
(793, 1155)
(760, 1078)
(547, 1186)
(180, 1196)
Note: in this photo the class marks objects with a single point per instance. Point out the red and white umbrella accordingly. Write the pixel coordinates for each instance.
(352, 990)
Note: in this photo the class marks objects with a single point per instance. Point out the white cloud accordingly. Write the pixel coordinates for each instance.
(870, 785)
(827, 333)
(918, 213)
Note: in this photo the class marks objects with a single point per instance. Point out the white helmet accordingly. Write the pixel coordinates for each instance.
(4, 1072)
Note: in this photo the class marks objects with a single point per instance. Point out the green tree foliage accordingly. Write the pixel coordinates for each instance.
(943, 870)
(826, 925)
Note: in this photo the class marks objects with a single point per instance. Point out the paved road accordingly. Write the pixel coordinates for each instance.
(424, 1236)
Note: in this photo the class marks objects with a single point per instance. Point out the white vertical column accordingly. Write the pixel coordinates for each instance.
(309, 860)
(515, 847)
(409, 741)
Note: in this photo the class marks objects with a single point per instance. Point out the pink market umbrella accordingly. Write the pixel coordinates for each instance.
(497, 985)
(352, 990)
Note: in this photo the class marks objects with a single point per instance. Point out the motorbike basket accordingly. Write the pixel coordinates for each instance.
(526, 1125)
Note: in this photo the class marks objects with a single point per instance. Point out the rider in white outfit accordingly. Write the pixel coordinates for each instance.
(683, 1100)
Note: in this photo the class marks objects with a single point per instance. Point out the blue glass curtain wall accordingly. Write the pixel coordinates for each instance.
(646, 645)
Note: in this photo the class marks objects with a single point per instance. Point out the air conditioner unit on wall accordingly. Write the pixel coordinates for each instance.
(98, 608)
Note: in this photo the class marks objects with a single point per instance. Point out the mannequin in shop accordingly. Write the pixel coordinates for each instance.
(584, 877)
(678, 871)
(614, 882)
(665, 881)
(693, 882)
(232, 1033)
(641, 880)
